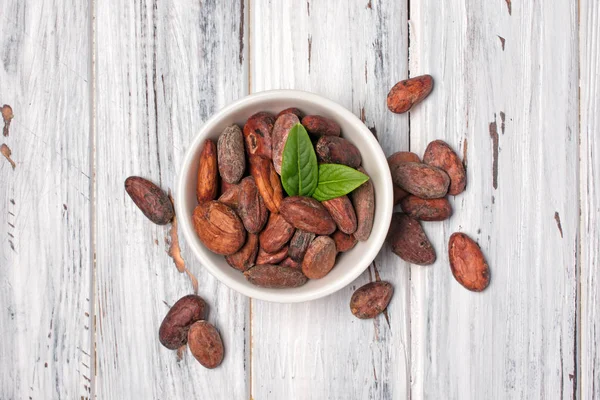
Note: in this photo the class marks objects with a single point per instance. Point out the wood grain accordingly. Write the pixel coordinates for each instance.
(590, 198)
(514, 101)
(45, 252)
(352, 53)
(163, 68)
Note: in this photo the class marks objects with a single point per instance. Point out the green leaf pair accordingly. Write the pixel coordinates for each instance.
(301, 175)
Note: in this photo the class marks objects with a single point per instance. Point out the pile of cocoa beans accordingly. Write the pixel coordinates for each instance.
(421, 189)
(244, 214)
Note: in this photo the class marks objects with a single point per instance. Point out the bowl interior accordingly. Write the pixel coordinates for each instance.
(349, 265)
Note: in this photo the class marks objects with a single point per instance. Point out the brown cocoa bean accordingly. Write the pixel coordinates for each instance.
(231, 196)
(275, 276)
(427, 209)
(207, 185)
(231, 155)
(246, 256)
(343, 241)
(319, 258)
(408, 240)
(173, 332)
(272, 258)
(276, 234)
(219, 227)
(337, 150)
(467, 262)
(342, 212)
(318, 126)
(291, 110)
(363, 199)
(405, 94)
(251, 207)
(267, 181)
(150, 199)
(370, 300)
(281, 130)
(289, 262)
(205, 344)
(299, 244)
(257, 134)
(439, 154)
(422, 180)
(402, 156)
(307, 214)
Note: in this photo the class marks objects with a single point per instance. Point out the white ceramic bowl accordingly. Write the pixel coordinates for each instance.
(349, 265)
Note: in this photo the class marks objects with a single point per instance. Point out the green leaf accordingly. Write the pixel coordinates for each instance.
(299, 168)
(336, 180)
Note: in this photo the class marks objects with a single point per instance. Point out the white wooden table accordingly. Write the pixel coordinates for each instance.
(106, 89)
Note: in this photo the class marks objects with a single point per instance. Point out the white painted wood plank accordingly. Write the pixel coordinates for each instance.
(590, 198)
(45, 254)
(164, 67)
(351, 52)
(514, 74)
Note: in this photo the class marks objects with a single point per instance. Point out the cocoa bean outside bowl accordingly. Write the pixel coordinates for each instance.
(349, 265)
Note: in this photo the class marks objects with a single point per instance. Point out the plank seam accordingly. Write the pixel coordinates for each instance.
(92, 157)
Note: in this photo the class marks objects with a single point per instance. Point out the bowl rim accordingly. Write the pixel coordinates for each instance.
(376, 240)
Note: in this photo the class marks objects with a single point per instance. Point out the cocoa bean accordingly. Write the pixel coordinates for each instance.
(439, 154)
(307, 214)
(319, 126)
(342, 212)
(276, 234)
(467, 262)
(231, 154)
(363, 199)
(337, 150)
(427, 209)
(370, 300)
(257, 134)
(246, 256)
(205, 344)
(408, 240)
(219, 227)
(275, 276)
(251, 207)
(319, 258)
(267, 181)
(207, 185)
(405, 94)
(150, 199)
(299, 244)
(422, 180)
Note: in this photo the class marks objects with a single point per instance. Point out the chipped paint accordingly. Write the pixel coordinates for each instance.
(6, 152)
(7, 116)
(174, 250)
(502, 41)
(509, 5)
(494, 137)
(559, 226)
(241, 32)
(502, 119)
(309, 51)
